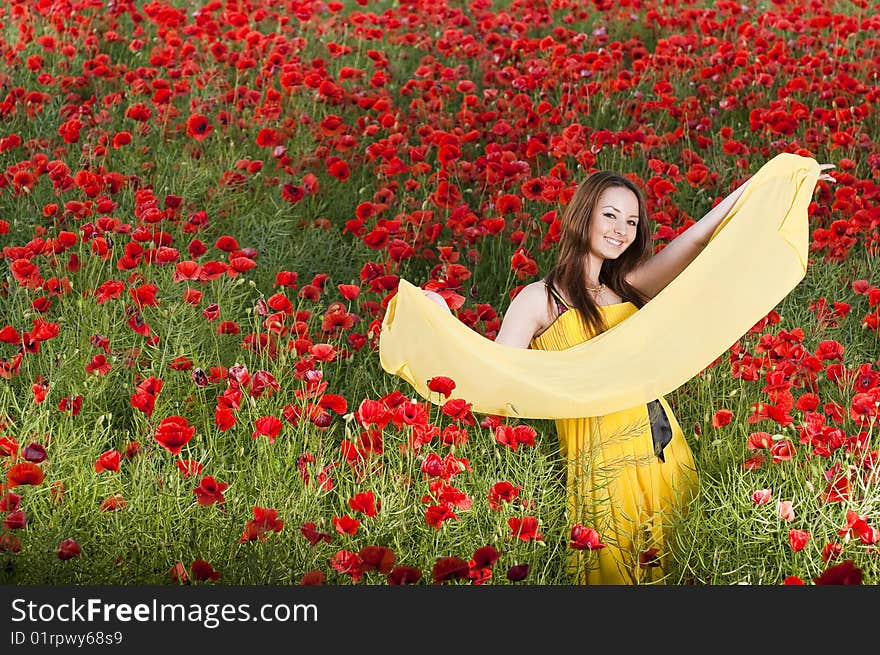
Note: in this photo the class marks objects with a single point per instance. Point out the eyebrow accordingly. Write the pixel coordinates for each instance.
(618, 211)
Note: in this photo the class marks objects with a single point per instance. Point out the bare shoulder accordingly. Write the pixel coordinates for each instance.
(533, 302)
(534, 296)
(527, 315)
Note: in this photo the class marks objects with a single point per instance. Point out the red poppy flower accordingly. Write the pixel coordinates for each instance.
(857, 525)
(113, 503)
(837, 490)
(198, 127)
(9, 502)
(348, 563)
(452, 435)
(68, 549)
(144, 401)
(202, 570)
(269, 426)
(107, 461)
(189, 467)
(508, 204)
(8, 447)
(442, 385)
(313, 578)
(401, 575)
(144, 295)
(583, 538)
(518, 572)
(182, 363)
(798, 539)
(759, 440)
(782, 451)
(99, 365)
(807, 402)
(792, 580)
(72, 405)
(173, 433)
(224, 418)
(449, 568)
(265, 520)
(346, 525)
(151, 385)
(24, 473)
(721, 418)
(269, 138)
(762, 496)
(9, 334)
(436, 514)
(522, 264)
(513, 436)
(785, 510)
(754, 462)
(210, 491)
(136, 322)
(349, 291)
(310, 532)
(525, 528)
(263, 382)
(831, 551)
(228, 327)
(34, 452)
(485, 556)
(9, 543)
(178, 573)
(377, 558)
(16, 520)
(363, 502)
(845, 573)
(338, 168)
(829, 349)
(286, 279)
(39, 391)
(446, 195)
(121, 139)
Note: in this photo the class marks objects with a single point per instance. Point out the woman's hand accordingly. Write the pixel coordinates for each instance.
(824, 176)
(437, 298)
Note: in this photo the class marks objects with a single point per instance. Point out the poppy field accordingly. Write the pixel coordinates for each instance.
(205, 208)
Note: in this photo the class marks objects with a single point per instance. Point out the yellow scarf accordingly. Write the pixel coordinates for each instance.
(755, 257)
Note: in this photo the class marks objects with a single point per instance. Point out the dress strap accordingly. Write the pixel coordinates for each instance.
(560, 303)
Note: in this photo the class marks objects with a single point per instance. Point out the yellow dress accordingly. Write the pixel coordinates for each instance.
(616, 484)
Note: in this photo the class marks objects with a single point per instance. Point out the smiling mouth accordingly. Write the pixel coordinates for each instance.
(614, 242)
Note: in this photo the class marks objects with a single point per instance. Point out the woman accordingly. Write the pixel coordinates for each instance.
(629, 473)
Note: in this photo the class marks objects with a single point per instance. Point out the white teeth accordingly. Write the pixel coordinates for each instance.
(616, 243)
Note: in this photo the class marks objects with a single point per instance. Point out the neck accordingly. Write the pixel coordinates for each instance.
(593, 263)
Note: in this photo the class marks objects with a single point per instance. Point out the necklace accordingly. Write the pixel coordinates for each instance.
(596, 289)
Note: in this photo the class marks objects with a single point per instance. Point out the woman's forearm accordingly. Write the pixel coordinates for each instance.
(704, 228)
(437, 298)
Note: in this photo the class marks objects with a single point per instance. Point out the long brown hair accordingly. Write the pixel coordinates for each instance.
(567, 274)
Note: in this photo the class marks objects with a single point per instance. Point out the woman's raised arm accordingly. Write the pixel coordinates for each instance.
(437, 298)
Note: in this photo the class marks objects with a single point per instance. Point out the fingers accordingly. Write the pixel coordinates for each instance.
(824, 166)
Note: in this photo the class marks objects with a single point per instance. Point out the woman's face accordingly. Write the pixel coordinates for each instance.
(614, 222)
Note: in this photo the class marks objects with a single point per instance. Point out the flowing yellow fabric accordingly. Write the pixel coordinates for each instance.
(755, 257)
(615, 483)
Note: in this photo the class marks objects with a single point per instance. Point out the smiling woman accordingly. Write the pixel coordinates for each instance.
(608, 331)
